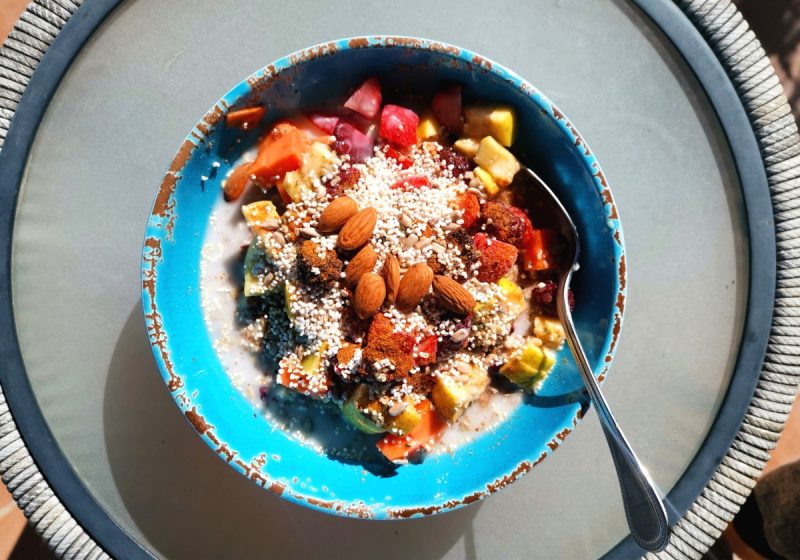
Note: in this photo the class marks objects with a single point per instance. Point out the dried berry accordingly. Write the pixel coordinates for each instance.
(502, 222)
(460, 163)
(544, 295)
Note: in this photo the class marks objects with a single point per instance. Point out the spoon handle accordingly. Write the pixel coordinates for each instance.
(644, 510)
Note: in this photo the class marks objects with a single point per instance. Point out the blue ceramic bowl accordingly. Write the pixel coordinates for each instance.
(227, 421)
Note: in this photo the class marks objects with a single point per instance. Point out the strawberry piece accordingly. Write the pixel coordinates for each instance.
(399, 125)
(447, 108)
(471, 209)
(353, 142)
(404, 161)
(425, 352)
(411, 182)
(496, 257)
(326, 123)
(366, 100)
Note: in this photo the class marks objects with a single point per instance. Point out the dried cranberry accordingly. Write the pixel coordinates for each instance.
(451, 157)
(545, 293)
(347, 179)
(448, 346)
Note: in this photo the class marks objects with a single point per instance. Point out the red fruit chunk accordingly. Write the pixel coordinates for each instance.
(426, 350)
(527, 232)
(366, 100)
(353, 142)
(447, 108)
(502, 222)
(399, 125)
(471, 209)
(411, 182)
(496, 257)
(404, 161)
(537, 253)
(544, 295)
(326, 123)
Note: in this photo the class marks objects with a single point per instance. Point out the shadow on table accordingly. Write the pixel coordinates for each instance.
(189, 504)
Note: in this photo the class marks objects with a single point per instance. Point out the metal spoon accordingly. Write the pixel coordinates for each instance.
(644, 510)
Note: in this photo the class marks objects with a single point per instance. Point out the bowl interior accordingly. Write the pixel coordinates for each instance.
(229, 423)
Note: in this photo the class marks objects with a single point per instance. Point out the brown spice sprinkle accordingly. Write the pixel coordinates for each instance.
(346, 353)
(464, 247)
(383, 343)
(434, 264)
(502, 223)
(308, 259)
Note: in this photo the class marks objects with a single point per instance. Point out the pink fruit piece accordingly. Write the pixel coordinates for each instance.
(399, 125)
(447, 108)
(544, 295)
(366, 100)
(411, 182)
(351, 141)
(326, 123)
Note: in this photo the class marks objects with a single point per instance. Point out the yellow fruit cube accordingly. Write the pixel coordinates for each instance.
(404, 422)
(512, 291)
(498, 161)
(293, 185)
(467, 147)
(320, 159)
(530, 367)
(452, 394)
(549, 330)
(487, 181)
(493, 120)
(257, 213)
(428, 127)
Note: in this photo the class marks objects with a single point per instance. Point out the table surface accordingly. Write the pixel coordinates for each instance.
(140, 84)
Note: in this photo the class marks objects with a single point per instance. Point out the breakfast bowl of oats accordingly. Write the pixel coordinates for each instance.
(352, 299)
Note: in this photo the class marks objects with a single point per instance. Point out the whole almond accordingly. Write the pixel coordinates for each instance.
(358, 229)
(413, 286)
(369, 296)
(363, 262)
(453, 296)
(336, 214)
(391, 275)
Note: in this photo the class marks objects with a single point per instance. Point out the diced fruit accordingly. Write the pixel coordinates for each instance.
(399, 125)
(404, 161)
(279, 157)
(512, 291)
(536, 253)
(530, 367)
(527, 231)
(487, 181)
(499, 162)
(494, 120)
(447, 108)
(366, 100)
(544, 295)
(351, 412)
(549, 331)
(452, 394)
(501, 221)
(326, 123)
(470, 208)
(245, 118)
(425, 351)
(304, 376)
(353, 142)
(411, 182)
(292, 186)
(496, 257)
(254, 260)
(320, 160)
(428, 127)
(236, 182)
(257, 213)
(426, 432)
(404, 422)
(467, 146)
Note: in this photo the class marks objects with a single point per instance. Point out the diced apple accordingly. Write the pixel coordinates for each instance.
(467, 146)
(320, 159)
(254, 284)
(493, 120)
(404, 422)
(498, 161)
(529, 368)
(428, 127)
(257, 213)
(549, 330)
(452, 394)
(486, 180)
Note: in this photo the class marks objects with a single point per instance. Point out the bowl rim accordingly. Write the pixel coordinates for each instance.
(163, 209)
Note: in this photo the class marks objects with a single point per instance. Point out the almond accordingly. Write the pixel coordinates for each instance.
(453, 296)
(358, 229)
(363, 262)
(413, 286)
(369, 295)
(391, 275)
(336, 214)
